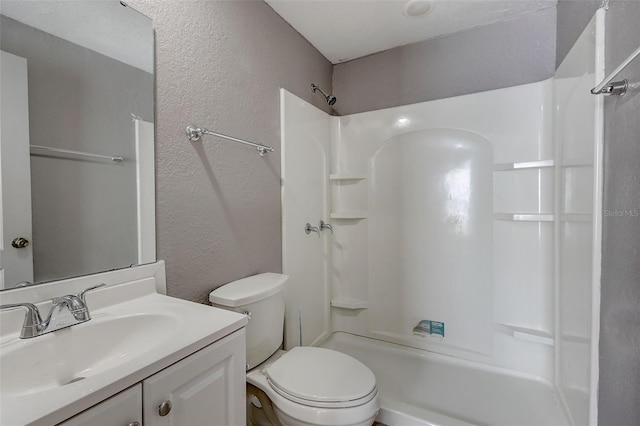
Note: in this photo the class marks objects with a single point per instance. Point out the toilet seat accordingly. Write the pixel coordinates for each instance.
(319, 377)
(293, 411)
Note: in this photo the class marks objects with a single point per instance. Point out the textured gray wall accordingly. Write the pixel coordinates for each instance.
(84, 211)
(573, 17)
(220, 65)
(500, 55)
(619, 393)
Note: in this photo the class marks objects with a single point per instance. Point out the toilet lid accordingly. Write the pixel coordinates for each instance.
(318, 375)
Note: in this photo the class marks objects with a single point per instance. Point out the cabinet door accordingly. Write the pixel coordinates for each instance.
(123, 409)
(206, 388)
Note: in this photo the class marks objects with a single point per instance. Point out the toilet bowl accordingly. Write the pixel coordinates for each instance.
(315, 386)
(306, 385)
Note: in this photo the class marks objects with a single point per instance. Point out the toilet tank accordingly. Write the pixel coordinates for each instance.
(261, 297)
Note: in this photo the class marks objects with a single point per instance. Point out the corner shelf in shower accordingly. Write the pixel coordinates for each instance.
(539, 164)
(352, 304)
(528, 334)
(521, 165)
(345, 176)
(576, 339)
(524, 217)
(348, 215)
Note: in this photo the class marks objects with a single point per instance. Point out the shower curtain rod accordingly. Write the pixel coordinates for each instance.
(617, 87)
(195, 133)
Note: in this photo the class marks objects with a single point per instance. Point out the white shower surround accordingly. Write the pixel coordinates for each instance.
(517, 121)
(543, 314)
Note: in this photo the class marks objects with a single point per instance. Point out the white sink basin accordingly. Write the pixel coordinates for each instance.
(134, 333)
(67, 356)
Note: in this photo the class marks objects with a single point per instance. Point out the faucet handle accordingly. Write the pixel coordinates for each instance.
(324, 225)
(86, 290)
(32, 319)
(309, 229)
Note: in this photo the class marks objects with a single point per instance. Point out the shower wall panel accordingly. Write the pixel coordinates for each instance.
(391, 263)
(430, 239)
(578, 154)
(305, 153)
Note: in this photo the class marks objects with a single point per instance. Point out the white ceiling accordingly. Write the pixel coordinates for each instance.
(104, 26)
(347, 29)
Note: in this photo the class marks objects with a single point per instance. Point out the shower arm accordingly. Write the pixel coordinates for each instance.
(314, 88)
(328, 96)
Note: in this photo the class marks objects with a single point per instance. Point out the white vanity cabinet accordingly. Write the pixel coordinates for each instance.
(205, 388)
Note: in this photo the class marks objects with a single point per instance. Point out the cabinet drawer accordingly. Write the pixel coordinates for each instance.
(123, 409)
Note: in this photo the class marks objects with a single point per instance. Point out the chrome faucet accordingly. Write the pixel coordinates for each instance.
(66, 311)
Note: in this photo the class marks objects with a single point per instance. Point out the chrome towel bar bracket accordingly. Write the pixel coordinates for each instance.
(619, 88)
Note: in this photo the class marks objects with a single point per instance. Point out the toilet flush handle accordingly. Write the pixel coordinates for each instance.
(247, 313)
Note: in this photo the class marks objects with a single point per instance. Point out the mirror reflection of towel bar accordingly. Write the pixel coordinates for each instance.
(45, 150)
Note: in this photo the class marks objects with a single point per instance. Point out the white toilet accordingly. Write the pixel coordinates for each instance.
(306, 385)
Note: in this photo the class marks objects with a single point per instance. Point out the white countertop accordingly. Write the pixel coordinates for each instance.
(186, 328)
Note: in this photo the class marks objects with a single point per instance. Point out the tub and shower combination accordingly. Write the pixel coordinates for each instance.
(462, 264)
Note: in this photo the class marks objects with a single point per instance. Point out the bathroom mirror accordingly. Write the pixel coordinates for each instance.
(77, 147)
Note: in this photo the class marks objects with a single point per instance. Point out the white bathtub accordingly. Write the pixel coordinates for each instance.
(428, 389)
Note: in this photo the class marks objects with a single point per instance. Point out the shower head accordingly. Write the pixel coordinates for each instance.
(329, 97)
